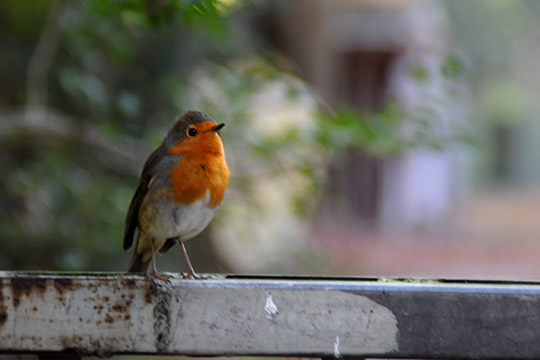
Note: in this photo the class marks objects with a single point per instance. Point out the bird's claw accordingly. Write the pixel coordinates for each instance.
(193, 276)
(155, 277)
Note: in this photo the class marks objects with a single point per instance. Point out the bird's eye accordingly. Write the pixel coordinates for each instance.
(192, 132)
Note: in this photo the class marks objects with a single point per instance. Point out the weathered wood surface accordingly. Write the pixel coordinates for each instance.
(104, 314)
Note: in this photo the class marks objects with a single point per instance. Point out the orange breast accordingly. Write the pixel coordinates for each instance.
(201, 168)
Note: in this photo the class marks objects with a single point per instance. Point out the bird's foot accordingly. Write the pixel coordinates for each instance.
(156, 276)
(193, 275)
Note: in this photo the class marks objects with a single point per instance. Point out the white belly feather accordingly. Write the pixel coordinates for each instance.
(175, 220)
(191, 220)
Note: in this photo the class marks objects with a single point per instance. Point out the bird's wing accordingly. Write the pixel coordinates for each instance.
(132, 218)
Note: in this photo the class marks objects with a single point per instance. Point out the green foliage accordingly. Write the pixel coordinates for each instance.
(112, 73)
(65, 211)
(209, 15)
(122, 70)
(23, 20)
(453, 68)
(377, 133)
(387, 132)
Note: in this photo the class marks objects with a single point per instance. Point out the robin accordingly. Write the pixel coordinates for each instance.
(181, 188)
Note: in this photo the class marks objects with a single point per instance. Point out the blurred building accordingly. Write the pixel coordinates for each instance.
(362, 53)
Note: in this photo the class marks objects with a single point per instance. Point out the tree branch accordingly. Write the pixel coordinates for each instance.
(42, 58)
(120, 157)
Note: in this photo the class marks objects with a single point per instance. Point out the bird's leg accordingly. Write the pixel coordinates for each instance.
(154, 268)
(192, 274)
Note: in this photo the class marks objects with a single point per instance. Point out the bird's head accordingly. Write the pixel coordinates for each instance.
(194, 132)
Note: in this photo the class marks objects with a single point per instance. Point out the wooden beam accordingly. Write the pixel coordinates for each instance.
(106, 314)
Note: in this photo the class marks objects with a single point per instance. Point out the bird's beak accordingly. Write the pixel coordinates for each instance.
(217, 127)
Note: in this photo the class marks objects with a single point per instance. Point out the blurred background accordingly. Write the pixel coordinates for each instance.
(365, 137)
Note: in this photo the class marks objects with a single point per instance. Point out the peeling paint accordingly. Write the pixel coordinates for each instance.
(135, 314)
(91, 315)
(270, 308)
(307, 323)
(337, 354)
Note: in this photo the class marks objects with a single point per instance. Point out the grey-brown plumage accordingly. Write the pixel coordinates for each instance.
(180, 189)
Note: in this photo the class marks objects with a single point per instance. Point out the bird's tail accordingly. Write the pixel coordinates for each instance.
(142, 255)
(137, 264)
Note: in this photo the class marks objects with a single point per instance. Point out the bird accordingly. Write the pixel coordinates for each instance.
(182, 185)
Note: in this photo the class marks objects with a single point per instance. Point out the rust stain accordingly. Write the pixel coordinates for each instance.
(3, 315)
(21, 286)
(73, 346)
(34, 339)
(119, 311)
(63, 285)
(95, 343)
(131, 284)
(93, 287)
(121, 308)
(151, 290)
